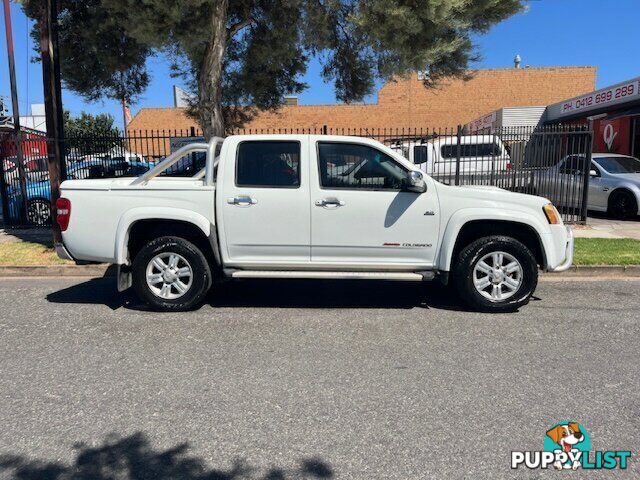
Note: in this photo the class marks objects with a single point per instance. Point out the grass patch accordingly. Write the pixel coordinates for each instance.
(29, 253)
(606, 251)
(588, 251)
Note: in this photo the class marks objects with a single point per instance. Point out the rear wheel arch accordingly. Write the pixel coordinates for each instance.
(143, 231)
(523, 232)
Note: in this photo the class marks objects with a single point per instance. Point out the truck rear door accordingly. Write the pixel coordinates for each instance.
(262, 201)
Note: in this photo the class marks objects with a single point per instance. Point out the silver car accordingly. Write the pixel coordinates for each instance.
(614, 183)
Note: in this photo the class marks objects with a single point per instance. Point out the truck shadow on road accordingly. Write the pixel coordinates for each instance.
(334, 294)
(283, 294)
(133, 457)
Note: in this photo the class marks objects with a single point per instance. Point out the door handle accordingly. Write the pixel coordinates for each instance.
(330, 202)
(242, 201)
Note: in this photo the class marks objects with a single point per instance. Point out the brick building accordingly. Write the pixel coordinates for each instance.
(408, 104)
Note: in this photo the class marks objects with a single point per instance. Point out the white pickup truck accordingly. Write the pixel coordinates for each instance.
(307, 206)
(482, 158)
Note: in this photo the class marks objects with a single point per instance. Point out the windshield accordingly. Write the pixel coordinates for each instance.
(619, 164)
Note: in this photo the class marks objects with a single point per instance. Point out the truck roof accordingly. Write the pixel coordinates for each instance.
(451, 140)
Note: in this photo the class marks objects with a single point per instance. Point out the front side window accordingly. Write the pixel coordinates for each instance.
(353, 166)
(470, 150)
(268, 164)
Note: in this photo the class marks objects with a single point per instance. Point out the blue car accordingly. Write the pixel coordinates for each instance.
(38, 205)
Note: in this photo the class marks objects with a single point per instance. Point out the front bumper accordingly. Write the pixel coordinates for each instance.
(568, 254)
(62, 252)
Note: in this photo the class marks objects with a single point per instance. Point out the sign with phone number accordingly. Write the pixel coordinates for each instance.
(602, 98)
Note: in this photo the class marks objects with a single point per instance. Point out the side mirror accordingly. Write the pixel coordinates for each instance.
(593, 173)
(415, 182)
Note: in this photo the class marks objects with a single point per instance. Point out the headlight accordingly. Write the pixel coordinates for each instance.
(552, 214)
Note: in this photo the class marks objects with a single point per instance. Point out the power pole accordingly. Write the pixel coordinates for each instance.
(16, 108)
(53, 101)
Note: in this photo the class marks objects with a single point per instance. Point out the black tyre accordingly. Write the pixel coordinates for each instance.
(495, 274)
(39, 211)
(171, 274)
(622, 204)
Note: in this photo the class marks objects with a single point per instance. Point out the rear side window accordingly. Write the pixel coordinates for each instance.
(268, 164)
(471, 150)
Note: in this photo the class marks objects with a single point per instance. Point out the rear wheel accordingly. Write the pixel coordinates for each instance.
(171, 274)
(622, 204)
(496, 274)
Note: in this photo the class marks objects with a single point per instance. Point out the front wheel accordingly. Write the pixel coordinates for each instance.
(622, 205)
(496, 274)
(171, 274)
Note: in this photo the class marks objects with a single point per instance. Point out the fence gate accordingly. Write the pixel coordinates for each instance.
(552, 162)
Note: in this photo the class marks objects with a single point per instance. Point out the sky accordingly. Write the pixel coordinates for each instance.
(600, 33)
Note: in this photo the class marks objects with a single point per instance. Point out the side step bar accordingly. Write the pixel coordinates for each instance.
(396, 276)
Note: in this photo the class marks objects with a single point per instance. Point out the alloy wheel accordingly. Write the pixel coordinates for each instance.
(169, 275)
(497, 276)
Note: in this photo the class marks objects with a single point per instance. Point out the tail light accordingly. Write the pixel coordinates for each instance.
(63, 213)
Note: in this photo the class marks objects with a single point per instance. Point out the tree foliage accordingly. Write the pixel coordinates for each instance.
(240, 56)
(98, 58)
(87, 134)
(87, 125)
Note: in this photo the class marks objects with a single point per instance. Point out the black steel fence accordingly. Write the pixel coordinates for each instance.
(552, 162)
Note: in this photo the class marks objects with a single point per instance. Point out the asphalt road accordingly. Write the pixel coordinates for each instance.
(288, 379)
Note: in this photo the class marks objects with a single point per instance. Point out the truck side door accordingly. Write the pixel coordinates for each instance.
(361, 217)
(262, 201)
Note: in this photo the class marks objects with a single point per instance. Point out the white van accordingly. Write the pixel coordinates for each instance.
(482, 157)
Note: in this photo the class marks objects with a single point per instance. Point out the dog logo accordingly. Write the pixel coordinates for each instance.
(567, 437)
(567, 446)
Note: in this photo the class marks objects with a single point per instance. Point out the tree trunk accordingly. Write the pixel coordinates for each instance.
(210, 75)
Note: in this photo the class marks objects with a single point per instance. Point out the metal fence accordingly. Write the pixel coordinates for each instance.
(552, 162)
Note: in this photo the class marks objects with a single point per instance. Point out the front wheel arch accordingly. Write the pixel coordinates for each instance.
(522, 232)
